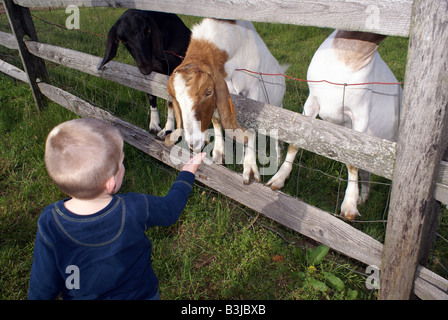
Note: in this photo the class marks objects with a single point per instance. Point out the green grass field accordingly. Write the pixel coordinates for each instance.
(218, 249)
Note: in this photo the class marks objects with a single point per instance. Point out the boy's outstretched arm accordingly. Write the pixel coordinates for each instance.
(164, 211)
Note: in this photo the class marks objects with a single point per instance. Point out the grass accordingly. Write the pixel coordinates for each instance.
(218, 249)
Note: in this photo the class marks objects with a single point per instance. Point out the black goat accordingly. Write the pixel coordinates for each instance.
(157, 41)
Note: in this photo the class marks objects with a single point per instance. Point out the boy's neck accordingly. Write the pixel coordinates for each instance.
(90, 206)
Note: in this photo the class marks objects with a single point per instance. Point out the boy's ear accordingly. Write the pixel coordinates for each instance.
(110, 185)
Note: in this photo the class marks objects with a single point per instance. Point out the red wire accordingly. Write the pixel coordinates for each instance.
(315, 81)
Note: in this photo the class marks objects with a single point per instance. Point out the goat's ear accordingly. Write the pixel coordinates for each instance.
(111, 46)
(226, 110)
(175, 105)
(172, 138)
(157, 40)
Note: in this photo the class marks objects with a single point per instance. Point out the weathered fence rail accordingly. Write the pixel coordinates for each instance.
(381, 16)
(344, 145)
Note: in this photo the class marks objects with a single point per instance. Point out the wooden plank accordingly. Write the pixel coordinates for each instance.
(289, 211)
(430, 286)
(421, 144)
(124, 74)
(335, 142)
(380, 16)
(22, 25)
(441, 192)
(8, 40)
(13, 71)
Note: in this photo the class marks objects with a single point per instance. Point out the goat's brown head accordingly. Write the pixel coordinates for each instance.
(198, 92)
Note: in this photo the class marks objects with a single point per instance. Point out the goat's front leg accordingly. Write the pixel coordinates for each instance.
(218, 147)
(250, 167)
(169, 126)
(154, 119)
(349, 208)
(310, 109)
(173, 137)
(365, 185)
(278, 180)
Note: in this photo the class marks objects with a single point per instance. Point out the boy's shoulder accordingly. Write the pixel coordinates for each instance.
(46, 223)
(47, 213)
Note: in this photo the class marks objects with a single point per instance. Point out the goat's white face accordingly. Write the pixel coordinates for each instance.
(194, 103)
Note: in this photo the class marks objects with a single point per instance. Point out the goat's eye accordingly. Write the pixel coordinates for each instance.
(208, 93)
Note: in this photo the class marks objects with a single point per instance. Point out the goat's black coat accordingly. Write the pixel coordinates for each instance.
(151, 38)
(156, 41)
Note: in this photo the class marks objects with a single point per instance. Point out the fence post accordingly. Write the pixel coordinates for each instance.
(22, 25)
(421, 143)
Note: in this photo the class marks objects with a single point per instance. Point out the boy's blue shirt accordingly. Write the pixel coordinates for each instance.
(108, 252)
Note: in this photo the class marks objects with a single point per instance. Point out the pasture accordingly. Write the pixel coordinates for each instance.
(218, 249)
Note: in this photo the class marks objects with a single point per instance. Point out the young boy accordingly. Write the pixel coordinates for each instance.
(93, 245)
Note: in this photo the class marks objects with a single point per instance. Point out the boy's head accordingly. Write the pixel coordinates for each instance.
(82, 154)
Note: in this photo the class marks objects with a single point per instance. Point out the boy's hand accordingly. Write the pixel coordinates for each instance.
(193, 165)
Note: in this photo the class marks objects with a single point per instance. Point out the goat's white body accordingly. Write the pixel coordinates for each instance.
(246, 50)
(369, 108)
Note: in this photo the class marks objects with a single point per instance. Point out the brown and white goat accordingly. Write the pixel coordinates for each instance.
(200, 87)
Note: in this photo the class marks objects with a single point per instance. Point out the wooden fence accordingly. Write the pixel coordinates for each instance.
(419, 177)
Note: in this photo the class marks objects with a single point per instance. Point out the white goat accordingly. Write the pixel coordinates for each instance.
(200, 87)
(351, 58)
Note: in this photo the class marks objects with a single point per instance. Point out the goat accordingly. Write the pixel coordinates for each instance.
(157, 41)
(351, 57)
(201, 85)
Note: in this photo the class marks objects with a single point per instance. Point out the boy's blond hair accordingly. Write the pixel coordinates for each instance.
(81, 155)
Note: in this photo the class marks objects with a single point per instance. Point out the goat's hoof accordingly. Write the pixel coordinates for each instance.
(363, 198)
(275, 183)
(172, 137)
(154, 128)
(162, 134)
(246, 180)
(168, 141)
(253, 172)
(218, 157)
(273, 186)
(350, 214)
